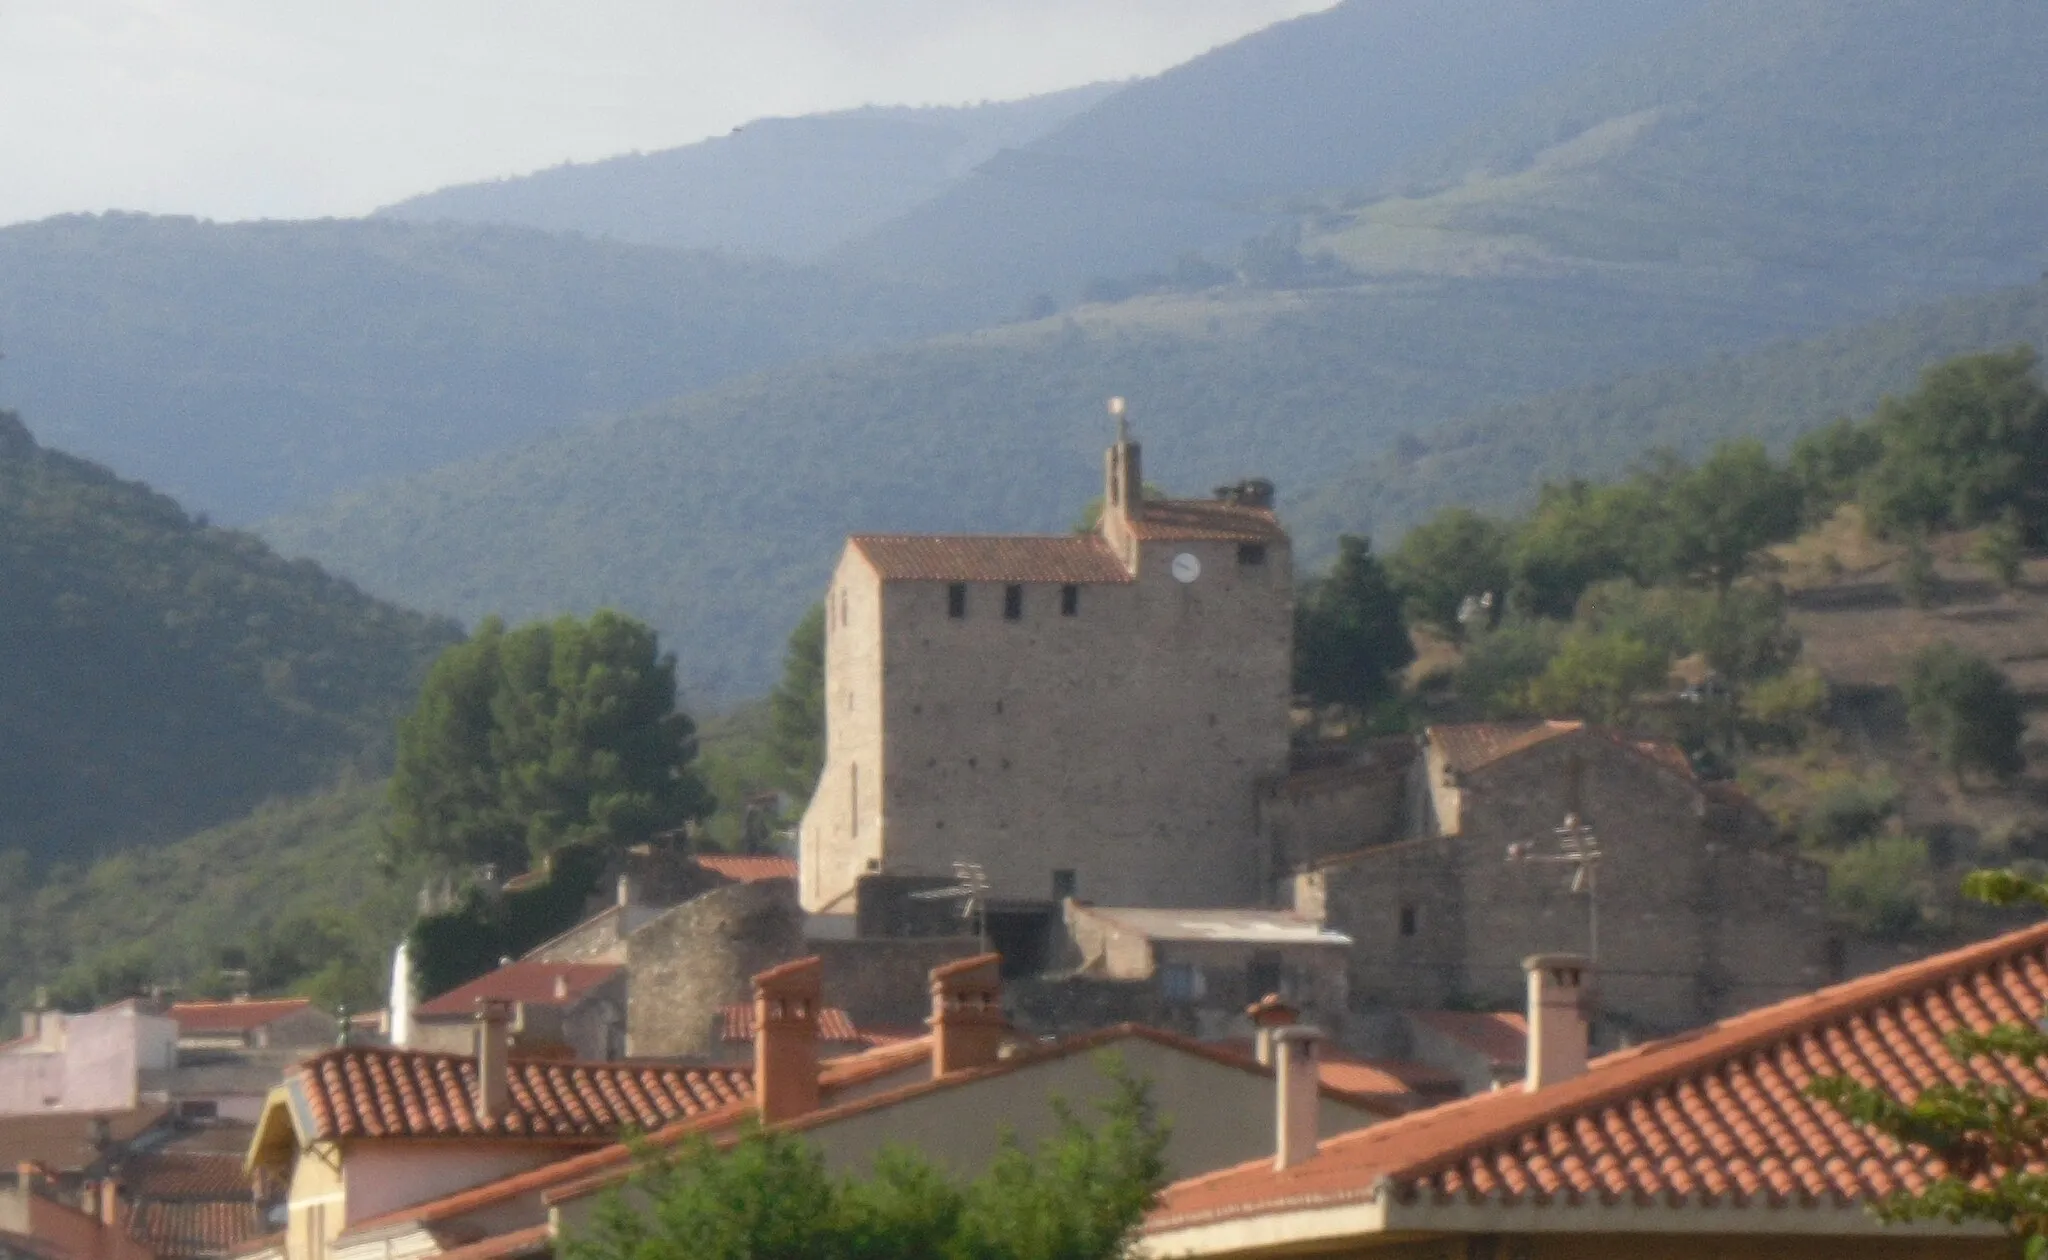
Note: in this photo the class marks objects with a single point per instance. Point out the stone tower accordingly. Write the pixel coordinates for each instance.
(1083, 715)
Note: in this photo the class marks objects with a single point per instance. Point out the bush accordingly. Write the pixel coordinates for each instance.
(1498, 667)
(1785, 709)
(1597, 676)
(1916, 574)
(2001, 550)
(1880, 887)
(1849, 813)
(1966, 709)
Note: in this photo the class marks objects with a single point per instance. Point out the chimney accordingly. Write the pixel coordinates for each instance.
(493, 1059)
(110, 1203)
(967, 1014)
(1297, 1094)
(786, 1038)
(1557, 1018)
(561, 987)
(1268, 1015)
(627, 892)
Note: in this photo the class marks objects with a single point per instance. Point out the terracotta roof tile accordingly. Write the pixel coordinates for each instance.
(1501, 1037)
(748, 868)
(1718, 1113)
(369, 1091)
(1470, 746)
(991, 558)
(1197, 520)
(834, 1024)
(193, 1229)
(200, 1018)
(536, 983)
(186, 1175)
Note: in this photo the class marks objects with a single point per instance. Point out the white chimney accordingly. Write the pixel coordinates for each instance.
(1557, 1018)
(1298, 1094)
(628, 894)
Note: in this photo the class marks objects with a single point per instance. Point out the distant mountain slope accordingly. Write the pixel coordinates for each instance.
(780, 187)
(161, 675)
(1210, 151)
(1858, 150)
(719, 515)
(251, 367)
(1497, 459)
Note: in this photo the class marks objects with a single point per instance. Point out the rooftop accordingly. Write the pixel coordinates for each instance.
(1472, 746)
(1716, 1116)
(1206, 520)
(535, 983)
(1066, 558)
(188, 1230)
(1500, 1037)
(1251, 927)
(376, 1092)
(748, 868)
(834, 1024)
(243, 1015)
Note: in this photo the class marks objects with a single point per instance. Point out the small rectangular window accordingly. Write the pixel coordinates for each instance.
(1251, 553)
(1063, 884)
(1182, 982)
(1407, 920)
(956, 600)
(1013, 603)
(1070, 601)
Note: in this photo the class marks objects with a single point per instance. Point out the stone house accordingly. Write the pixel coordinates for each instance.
(565, 1010)
(1082, 715)
(1702, 909)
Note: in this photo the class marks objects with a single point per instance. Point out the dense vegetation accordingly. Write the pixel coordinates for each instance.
(163, 675)
(789, 188)
(251, 367)
(1077, 1196)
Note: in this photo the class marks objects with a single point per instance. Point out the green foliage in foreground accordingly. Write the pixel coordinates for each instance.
(1078, 1196)
(550, 735)
(292, 893)
(1967, 710)
(160, 675)
(1990, 1136)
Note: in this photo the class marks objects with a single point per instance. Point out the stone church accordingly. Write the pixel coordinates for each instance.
(1086, 715)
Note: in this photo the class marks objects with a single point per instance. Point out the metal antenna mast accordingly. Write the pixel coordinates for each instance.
(1579, 848)
(972, 894)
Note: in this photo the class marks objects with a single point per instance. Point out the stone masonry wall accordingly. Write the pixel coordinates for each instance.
(690, 961)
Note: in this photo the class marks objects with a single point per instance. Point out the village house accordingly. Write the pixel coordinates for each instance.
(1701, 908)
(1704, 1145)
(1084, 715)
(558, 1010)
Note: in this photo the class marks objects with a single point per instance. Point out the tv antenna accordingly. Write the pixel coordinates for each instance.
(971, 892)
(1578, 847)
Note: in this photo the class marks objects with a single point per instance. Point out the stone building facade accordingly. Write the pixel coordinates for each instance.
(1086, 715)
(1702, 909)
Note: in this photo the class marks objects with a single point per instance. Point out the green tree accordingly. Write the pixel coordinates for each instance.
(1917, 580)
(1349, 637)
(796, 707)
(1577, 536)
(553, 734)
(1967, 710)
(1450, 557)
(1965, 447)
(1719, 515)
(1988, 1132)
(1498, 665)
(1597, 676)
(1830, 465)
(2002, 550)
(1076, 1197)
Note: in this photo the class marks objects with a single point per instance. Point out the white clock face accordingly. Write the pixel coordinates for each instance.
(1186, 568)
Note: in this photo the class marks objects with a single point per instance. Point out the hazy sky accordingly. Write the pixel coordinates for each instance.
(285, 108)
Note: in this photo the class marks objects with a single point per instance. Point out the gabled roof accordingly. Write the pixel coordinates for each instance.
(188, 1230)
(1715, 1116)
(1475, 745)
(1073, 558)
(1206, 520)
(176, 1174)
(377, 1092)
(535, 983)
(204, 1018)
(737, 1023)
(748, 868)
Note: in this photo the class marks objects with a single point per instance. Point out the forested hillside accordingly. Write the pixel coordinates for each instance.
(1215, 150)
(788, 188)
(1496, 459)
(248, 368)
(162, 675)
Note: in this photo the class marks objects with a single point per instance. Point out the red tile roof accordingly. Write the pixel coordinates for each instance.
(201, 1018)
(185, 1175)
(192, 1229)
(1718, 1115)
(747, 868)
(1198, 520)
(369, 1091)
(535, 983)
(834, 1024)
(1501, 1037)
(991, 558)
(1473, 746)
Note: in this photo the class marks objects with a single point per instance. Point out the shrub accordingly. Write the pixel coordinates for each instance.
(1785, 709)
(1966, 709)
(1849, 812)
(1880, 886)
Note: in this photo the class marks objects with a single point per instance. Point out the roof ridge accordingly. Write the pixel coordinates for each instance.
(1671, 1058)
